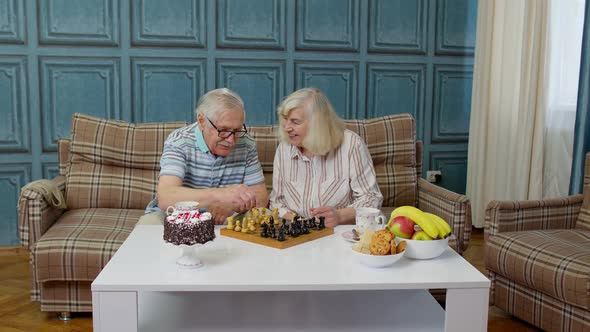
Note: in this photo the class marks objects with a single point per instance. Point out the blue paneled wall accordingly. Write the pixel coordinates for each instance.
(150, 60)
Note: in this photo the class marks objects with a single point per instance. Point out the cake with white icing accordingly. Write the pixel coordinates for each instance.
(189, 227)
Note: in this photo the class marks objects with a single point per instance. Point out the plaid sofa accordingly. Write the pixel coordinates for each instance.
(108, 172)
(538, 259)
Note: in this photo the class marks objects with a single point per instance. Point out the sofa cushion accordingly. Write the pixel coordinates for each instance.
(392, 144)
(63, 153)
(555, 262)
(266, 138)
(537, 308)
(114, 164)
(81, 242)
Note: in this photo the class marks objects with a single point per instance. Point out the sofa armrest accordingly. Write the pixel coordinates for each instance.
(512, 216)
(452, 207)
(35, 214)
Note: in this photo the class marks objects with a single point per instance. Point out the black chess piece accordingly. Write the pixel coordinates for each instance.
(306, 223)
(271, 221)
(295, 229)
(281, 236)
(273, 233)
(322, 224)
(304, 229)
(314, 224)
(264, 230)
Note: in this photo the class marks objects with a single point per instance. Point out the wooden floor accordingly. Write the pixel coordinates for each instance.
(18, 313)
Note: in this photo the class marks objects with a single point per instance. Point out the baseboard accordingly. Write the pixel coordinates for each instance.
(15, 250)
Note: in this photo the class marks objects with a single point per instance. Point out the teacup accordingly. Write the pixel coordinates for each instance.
(369, 218)
(180, 207)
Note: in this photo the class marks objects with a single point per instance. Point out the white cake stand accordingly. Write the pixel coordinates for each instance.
(189, 259)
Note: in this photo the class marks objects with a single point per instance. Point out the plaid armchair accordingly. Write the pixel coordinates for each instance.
(538, 259)
(108, 174)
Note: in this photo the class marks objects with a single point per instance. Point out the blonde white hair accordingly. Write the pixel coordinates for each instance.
(218, 101)
(326, 129)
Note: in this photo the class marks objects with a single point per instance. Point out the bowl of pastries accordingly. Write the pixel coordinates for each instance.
(378, 248)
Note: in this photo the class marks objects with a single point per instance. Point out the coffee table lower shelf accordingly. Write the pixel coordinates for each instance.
(374, 310)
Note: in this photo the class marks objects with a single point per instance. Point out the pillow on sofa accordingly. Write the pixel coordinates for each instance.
(391, 141)
(114, 164)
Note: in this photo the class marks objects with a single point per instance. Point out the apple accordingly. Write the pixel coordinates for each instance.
(402, 227)
(421, 235)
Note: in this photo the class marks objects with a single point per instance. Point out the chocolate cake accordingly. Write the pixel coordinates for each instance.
(189, 228)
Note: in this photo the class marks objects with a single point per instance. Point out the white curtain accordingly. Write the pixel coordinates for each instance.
(566, 29)
(508, 138)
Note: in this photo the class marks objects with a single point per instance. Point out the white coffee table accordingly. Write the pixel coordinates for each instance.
(316, 286)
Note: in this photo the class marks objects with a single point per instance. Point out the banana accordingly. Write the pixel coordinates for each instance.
(421, 236)
(422, 220)
(444, 229)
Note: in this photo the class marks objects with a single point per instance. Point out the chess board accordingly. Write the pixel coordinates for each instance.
(289, 241)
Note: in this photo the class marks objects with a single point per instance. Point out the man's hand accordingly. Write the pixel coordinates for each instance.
(331, 214)
(242, 197)
(220, 211)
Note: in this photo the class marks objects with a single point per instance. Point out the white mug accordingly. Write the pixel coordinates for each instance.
(180, 207)
(367, 217)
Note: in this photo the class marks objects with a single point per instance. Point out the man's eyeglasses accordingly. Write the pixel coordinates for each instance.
(227, 133)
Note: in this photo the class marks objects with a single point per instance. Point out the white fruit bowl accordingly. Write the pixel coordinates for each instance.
(424, 249)
(376, 260)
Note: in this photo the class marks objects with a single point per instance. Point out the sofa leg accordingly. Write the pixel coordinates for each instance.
(64, 315)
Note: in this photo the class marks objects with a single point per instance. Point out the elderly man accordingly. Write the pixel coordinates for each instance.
(211, 161)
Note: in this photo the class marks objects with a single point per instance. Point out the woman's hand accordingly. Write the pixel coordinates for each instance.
(331, 215)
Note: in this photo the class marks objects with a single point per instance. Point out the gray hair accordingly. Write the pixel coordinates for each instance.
(218, 101)
(326, 128)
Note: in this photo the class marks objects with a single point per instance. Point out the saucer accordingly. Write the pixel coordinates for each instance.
(348, 236)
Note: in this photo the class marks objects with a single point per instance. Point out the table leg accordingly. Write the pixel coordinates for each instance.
(114, 311)
(466, 310)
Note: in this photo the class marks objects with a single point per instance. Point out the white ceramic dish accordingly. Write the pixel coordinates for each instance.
(417, 249)
(376, 260)
(348, 236)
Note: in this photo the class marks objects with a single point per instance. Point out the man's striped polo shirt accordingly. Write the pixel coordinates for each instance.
(187, 156)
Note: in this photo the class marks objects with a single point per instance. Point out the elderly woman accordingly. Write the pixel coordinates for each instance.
(320, 168)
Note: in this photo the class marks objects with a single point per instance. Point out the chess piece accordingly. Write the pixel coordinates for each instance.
(245, 224)
(313, 222)
(255, 214)
(275, 213)
(238, 227)
(322, 224)
(271, 221)
(230, 223)
(281, 236)
(304, 229)
(273, 233)
(295, 228)
(264, 230)
(251, 226)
